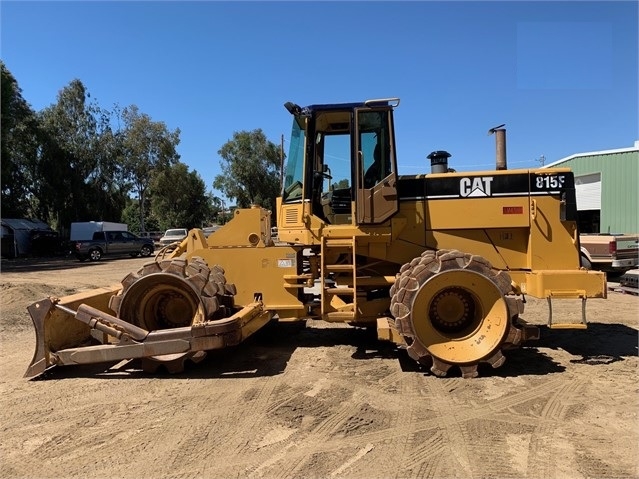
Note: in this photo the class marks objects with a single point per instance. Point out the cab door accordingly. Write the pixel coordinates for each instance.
(375, 166)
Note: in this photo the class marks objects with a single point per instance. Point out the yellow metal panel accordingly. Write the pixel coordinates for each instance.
(553, 243)
(63, 332)
(249, 227)
(258, 270)
(495, 212)
(475, 242)
(562, 284)
(410, 223)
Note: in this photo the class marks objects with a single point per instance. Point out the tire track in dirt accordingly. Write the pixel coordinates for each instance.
(292, 464)
(319, 434)
(498, 408)
(541, 457)
(404, 443)
(328, 426)
(451, 423)
(425, 458)
(455, 418)
(194, 441)
(264, 406)
(340, 420)
(243, 434)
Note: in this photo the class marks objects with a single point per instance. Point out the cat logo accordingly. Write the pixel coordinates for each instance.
(475, 187)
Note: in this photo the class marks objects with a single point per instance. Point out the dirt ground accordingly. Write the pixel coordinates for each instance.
(320, 400)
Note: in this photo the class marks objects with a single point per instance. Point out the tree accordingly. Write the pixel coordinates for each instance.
(217, 209)
(148, 148)
(19, 146)
(108, 179)
(250, 170)
(343, 183)
(69, 158)
(179, 198)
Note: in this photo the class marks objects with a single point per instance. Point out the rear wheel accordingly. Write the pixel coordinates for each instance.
(146, 251)
(95, 254)
(172, 294)
(452, 311)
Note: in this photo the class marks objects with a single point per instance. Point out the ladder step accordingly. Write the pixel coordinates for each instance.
(339, 267)
(340, 315)
(568, 326)
(297, 276)
(349, 291)
(339, 242)
(582, 325)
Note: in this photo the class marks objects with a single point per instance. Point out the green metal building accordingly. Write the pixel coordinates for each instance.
(607, 183)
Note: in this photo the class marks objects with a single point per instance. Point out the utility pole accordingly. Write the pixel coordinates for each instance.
(541, 160)
(282, 162)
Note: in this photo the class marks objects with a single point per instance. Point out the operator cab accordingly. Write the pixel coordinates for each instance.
(342, 161)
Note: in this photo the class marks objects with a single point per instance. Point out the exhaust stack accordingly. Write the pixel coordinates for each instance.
(439, 161)
(500, 146)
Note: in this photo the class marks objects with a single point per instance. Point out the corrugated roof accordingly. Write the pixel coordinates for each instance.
(594, 153)
(25, 224)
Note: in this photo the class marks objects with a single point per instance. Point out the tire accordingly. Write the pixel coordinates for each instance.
(167, 294)
(451, 309)
(173, 294)
(585, 262)
(146, 251)
(95, 254)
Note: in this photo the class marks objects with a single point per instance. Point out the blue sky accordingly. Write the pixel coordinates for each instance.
(562, 76)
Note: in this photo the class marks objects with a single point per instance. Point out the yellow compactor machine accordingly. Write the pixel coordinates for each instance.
(439, 263)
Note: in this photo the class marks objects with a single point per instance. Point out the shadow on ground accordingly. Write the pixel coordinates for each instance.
(268, 351)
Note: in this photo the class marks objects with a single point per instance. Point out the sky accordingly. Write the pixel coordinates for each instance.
(562, 76)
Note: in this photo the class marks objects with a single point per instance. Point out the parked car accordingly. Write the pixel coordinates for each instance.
(209, 230)
(173, 235)
(112, 243)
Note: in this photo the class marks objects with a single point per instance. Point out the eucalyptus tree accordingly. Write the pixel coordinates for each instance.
(250, 169)
(19, 147)
(108, 179)
(179, 198)
(217, 209)
(67, 156)
(148, 147)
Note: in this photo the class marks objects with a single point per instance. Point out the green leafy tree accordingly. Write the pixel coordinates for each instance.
(217, 209)
(108, 180)
(69, 158)
(179, 198)
(148, 148)
(19, 146)
(343, 183)
(250, 169)
(131, 214)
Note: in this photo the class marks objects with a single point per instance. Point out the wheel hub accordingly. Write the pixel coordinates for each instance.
(452, 310)
(459, 324)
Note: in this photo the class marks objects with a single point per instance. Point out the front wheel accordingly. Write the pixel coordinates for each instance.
(95, 254)
(174, 294)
